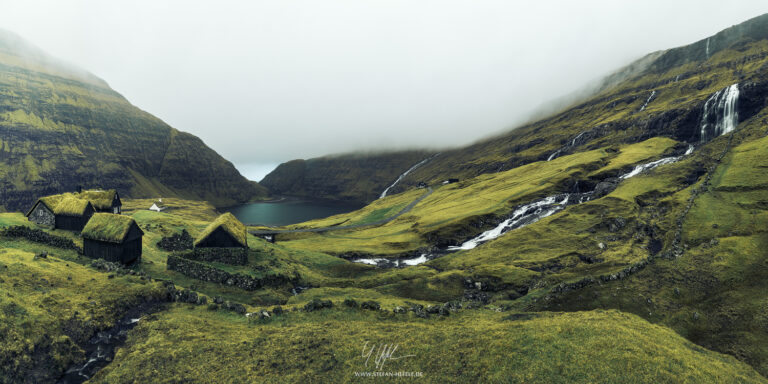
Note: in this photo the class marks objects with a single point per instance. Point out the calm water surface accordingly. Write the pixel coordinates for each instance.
(289, 211)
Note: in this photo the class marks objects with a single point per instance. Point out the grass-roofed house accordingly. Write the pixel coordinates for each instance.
(224, 232)
(41, 212)
(112, 237)
(103, 200)
(72, 213)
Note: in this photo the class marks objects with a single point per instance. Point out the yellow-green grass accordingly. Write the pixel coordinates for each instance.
(188, 209)
(50, 304)
(714, 294)
(230, 224)
(637, 154)
(192, 343)
(108, 227)
(451, 207)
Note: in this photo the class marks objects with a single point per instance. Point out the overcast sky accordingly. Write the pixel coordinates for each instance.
(263, 82)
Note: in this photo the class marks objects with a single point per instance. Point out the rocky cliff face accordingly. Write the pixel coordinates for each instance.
(61, 127)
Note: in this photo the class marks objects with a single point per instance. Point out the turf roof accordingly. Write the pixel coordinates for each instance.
(70, 205)
(100, 199)
(229, 223)
(108, 227)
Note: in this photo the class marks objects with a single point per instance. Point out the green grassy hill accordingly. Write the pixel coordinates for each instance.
(674, 84)
(61, 127)
(658, 277)
(355, 177)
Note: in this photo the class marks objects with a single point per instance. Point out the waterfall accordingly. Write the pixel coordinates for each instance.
(401, 177)
(720, 115)
(522, 216)
(648, 101)
(707, 47)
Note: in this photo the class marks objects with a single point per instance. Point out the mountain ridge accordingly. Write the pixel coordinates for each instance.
(533, 141)
(62, 127)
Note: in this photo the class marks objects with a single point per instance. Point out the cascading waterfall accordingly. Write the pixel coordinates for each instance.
(720, 115)
(707, 48)
(522, 216)
(648, 101)
(401, 177)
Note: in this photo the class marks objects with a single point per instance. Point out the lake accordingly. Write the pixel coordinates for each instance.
(289, 211)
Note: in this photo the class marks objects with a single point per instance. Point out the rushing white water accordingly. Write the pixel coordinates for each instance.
(401, 177)
(369, 261)
(720, 115)
(648, 101)
(416, 261)
(524, 215)
(554, 154)
(644, 167)
(707, 48)
(677, 78)
(557, 153)
(397, 263)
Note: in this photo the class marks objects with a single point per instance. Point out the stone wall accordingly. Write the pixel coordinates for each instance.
(42, 216)
(39, 236)
(177, 242)
(233, 256)
(204, 272)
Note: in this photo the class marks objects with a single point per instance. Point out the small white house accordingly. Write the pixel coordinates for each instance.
(157, 206)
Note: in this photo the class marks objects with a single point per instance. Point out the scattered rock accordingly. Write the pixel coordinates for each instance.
(351, 303)
(400, 310)
(317, 304)
(370, 304)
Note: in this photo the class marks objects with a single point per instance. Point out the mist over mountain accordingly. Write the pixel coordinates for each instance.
(62, 127)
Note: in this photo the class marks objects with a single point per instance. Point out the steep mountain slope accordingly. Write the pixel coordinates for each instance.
(61, 127)
(649, 197)
(353, 177)
(662, 94)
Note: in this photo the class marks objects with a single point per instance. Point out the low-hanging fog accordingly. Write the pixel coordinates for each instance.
(263, 82)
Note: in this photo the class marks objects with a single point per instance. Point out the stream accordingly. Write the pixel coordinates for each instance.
(100, 349)
(522, 216)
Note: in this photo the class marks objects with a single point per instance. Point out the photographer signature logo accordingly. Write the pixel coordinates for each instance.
(379, 354)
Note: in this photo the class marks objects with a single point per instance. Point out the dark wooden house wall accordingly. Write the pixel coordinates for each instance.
(74, 223)
(126, 253)
(41, 215)
(219, 238)
(71, 223)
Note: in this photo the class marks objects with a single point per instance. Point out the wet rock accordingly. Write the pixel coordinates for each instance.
(370, 304)
(605, 187)
(317, 304)
(234, 307)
